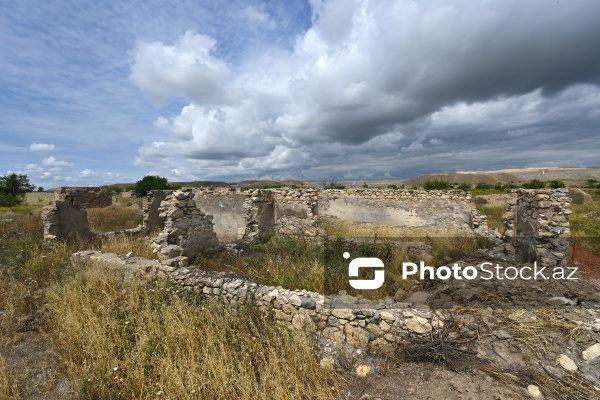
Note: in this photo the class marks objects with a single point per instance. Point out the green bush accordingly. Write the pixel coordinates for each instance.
(149, 182)
(464, 186)
(437, 185)
(534, 184)
(483, 185)
(394, 187)
(556, 184)
(8, 200)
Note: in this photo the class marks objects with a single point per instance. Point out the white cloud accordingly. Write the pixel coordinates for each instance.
(185, 68)
(52, 162)
(86, 173)
(41, 147)
(368, 78)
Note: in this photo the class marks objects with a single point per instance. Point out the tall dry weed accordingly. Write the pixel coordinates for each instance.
(135, 341)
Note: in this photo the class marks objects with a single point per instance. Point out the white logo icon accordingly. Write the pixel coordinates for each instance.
(365, 262)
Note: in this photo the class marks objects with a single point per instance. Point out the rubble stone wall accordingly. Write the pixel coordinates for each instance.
(188, 231)
(536, 226)
(88, 197)
(339, 319)
(150, 208)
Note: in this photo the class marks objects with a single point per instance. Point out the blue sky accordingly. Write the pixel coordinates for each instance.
(110, 91)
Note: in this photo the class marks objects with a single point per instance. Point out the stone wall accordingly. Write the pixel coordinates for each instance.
(151, 206)
(227, 207)
(88, 197)
(259, 215)
(66, 219)
(537, 226)
(340, 319)
(400, 208)
(188, 231)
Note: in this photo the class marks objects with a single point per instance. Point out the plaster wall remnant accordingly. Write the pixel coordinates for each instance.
(537, 226)
(88, 197)
(66, 219)
(227, 206)
(401, 209)
(150, 208)
(188, 231)
(342, 320)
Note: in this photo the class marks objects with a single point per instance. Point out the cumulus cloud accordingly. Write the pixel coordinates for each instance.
(380, 78)
(52, 162)
(41, 147)
(185, 68)
(86, 173)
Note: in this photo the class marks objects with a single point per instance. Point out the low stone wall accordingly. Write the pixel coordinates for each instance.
(88, 197)
(341, 319)
(536, 226)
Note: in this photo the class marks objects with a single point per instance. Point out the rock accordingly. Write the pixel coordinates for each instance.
(356, 336)
(592, 352)
(332, 321)
(295, 300)
(535, 392)
(343, 313)
(563, 300)
(418, 298)
(303, 322)
(416, 326)
(567, 363)
(578, 196)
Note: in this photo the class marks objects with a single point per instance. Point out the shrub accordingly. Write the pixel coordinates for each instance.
(331, 184)
(149, 182)
(464, 186)
(483, 185)
(8, 200)
(556, 184)
(394, 187)
(436, 185)
(498, 186)
(534, 184)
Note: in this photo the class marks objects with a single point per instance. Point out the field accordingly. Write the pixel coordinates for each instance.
(87, 334)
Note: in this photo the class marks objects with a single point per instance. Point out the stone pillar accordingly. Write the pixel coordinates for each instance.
(150, 208)
(537, 226)
(187, 232)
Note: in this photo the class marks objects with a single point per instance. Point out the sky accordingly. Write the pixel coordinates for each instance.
(95, 93)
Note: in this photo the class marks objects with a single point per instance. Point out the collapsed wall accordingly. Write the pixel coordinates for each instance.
(340, 319)
(536, 226)
(151, 209)
(88, 197)
(258, 214)
(187, 231)
(66, 219)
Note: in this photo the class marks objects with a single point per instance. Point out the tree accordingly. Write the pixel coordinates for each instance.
(12, 189)
(149, 182)
(436, 185)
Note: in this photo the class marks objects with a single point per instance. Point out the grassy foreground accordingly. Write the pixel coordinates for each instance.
(88, 335)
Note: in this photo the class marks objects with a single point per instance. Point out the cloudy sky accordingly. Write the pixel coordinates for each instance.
(103, 92)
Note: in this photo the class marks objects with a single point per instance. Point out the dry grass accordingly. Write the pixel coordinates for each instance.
(114, 218)
(532, 326)
(585, 225)
(337, 228)
(137, 341)
(494, 216)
